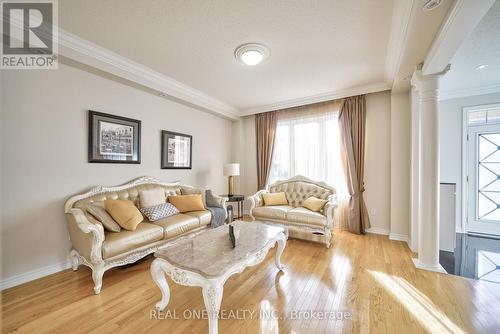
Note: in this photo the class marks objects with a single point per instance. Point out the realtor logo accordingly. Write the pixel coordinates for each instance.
(29, 34)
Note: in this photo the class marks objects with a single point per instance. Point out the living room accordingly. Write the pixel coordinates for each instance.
(314, 166)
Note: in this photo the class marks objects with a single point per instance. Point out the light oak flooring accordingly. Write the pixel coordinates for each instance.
(369, 276)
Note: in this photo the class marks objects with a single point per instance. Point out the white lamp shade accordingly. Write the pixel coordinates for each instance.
(231, 169)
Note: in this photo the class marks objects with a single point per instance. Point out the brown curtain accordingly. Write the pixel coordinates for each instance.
(352, 119)
(265, 131)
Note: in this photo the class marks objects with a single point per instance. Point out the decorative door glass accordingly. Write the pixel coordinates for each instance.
(488, 167)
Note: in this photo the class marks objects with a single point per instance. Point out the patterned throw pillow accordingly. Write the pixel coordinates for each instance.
(159, 211)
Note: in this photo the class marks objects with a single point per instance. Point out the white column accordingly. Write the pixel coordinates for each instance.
(415, 170)
(428, 229)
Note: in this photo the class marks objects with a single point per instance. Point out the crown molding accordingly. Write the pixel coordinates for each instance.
(398, 38)
(85, 52)
(88, 53)
(471, 91)
(461, 20)
(333, 95)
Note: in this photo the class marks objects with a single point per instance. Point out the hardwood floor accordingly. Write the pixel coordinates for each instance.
(369, 276)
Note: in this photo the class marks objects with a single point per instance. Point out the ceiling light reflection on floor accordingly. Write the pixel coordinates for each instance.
(268, 318)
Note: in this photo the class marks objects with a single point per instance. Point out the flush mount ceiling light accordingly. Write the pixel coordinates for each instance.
(251, 53)
(481, 67)
(432, 4)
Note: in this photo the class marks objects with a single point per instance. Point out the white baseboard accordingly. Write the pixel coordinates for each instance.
(377, 230)
(420, 265)
(398, 237)
(34, 274)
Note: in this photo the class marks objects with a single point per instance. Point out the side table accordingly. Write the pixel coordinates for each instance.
(236, 199)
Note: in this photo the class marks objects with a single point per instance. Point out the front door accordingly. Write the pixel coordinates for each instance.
(483, 171)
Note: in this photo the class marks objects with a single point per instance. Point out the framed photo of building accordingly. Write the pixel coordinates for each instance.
(176, 150)
(114, 139)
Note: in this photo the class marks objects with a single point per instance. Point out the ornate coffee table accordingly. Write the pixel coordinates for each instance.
(208, 259)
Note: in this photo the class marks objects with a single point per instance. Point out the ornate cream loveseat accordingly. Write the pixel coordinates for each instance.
(301, 223)
(101, 250)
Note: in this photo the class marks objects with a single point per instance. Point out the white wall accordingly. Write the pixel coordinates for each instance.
(44, 154)
(400, 165)
(450, 142)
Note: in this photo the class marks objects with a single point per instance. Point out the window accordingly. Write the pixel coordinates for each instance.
(308, 144)
(487, 114)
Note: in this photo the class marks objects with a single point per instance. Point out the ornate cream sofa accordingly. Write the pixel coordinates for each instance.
(101, 250)
(300, 222)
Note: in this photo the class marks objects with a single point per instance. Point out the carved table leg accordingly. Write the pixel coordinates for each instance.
(281, 246)
(212, 296)
(159, 278)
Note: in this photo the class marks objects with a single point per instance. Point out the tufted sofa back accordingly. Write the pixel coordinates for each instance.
(131, 193)
(298, 191)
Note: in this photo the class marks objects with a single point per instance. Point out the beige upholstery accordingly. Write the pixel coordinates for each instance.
(306, 216)
(177, 224)
(101, 250)
(124, 241)
(302, 223)
(297, 192)
(82, 242)
(204, 216)
(272, 212)
(131, 194)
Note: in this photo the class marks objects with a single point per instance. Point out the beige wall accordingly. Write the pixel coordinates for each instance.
(377, 160)
(400, 165)
(246, 154)
(44, 157)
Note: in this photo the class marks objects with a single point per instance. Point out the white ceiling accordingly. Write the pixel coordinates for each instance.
(316, 46)
(481, 47)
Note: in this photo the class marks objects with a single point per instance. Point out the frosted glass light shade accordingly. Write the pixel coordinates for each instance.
(251, 53)
(251, 57)
(231, 169)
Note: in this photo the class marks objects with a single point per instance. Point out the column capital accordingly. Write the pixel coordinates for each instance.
(427, 85)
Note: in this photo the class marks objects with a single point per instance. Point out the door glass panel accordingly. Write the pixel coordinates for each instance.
(488, 167)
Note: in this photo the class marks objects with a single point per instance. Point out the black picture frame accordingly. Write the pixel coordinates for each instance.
(169, 138)
(128, 152)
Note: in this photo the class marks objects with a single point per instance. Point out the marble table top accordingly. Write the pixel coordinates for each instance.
(211, 253)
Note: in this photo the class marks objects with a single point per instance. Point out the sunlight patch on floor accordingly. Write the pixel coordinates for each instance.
(417, 304)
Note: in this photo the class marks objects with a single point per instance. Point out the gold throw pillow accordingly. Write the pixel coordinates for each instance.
(274, 199)
(187, 203)
(193, 191)
(124, 212)
(314, 204)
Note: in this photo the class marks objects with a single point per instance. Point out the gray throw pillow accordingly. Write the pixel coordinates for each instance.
(159, 211)
(99, 212)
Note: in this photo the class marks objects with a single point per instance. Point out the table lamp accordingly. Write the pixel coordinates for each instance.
(231, 170)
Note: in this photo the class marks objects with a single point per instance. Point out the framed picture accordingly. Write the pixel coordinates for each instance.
(176, 150)
(114, 139)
